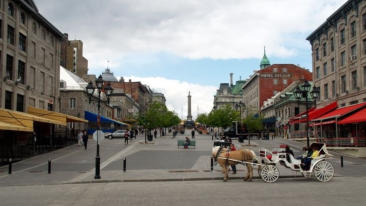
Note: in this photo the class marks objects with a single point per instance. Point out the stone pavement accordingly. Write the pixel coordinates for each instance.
(159, 160)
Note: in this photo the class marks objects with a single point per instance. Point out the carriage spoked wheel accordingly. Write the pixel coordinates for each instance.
(323, 171)
(269, 173)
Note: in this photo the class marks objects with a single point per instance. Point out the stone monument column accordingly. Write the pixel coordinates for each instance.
(189, 116)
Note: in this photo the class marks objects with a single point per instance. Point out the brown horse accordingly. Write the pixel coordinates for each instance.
(226, 158)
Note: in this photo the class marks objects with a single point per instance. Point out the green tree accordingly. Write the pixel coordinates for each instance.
(223, 117)
(253, 124)
(157, 116)
(202, 118)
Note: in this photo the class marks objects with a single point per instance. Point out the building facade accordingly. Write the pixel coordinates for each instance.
(339, 55)
(30, 57)
(158, 97)
(228, 94)
(72, 57)
(267, 82)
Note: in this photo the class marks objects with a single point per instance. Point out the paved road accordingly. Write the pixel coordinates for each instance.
(342, 191)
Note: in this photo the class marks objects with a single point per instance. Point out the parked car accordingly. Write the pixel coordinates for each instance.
(119, 134)
(108, 135)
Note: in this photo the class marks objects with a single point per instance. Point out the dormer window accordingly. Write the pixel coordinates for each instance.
(11, 9)
(23, 18)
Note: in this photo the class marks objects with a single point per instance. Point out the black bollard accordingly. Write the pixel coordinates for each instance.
(212, 137)
(341, 161)
(124, 165)
(49, 166)
(211, 164)
(10, 165)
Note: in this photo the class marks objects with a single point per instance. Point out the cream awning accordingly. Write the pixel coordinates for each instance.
(56, 116)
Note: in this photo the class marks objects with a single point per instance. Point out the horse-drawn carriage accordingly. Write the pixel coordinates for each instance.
(267, 162)
(319, 167)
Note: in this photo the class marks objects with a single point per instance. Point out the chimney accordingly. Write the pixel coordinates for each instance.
(231, 79)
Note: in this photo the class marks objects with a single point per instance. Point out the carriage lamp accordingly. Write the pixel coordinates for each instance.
(90, 89)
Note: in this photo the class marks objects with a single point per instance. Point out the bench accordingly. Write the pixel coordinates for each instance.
(181, 142)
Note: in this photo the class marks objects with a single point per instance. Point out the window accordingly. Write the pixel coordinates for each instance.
(23, 18)
(274, 69)
(32, 79)
(72, 103)
(343, 83)
(317, 54)
(51, 60)
(343, 58)
(297, 127)
(50, 91)
(353, 102)
(50, 108)
(34, 50)
(43, 56)
(331, 44)
(44, 34)
(325, 91)
(21, 72)
(9, 66)
(353, 29)
(324, 49)
(317, 70)
(364, 77)
(364, 46)
(41, 104)
(1, 28)
(353, 52)
(11, 9)
(275, 81)
(364, 21)
(34, 27)
(22, 42)
(332, 62)
(342, 36)
(42, 82)
(20, 103)
(325, 69)
(284, 70)
(284, 81)
(354, 80)
(32, 102)
(297, 111)
(8, 100)
(333, 89)
(11, 35)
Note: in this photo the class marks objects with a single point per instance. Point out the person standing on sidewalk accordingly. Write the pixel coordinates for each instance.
(155, 133)
(192, 133)
(80, 138)
(85, 139)
(126, 137)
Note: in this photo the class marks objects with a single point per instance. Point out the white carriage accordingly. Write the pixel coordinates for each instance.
(320, 168)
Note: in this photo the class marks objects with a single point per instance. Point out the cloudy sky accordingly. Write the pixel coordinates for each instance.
(176, 46)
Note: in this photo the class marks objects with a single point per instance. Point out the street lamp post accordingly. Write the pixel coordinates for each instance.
(108, 91)
(303, 92)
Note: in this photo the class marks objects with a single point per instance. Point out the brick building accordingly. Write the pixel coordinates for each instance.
(30, 57)
(268, 81)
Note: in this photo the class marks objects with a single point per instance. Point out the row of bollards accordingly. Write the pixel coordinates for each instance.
(11, 166)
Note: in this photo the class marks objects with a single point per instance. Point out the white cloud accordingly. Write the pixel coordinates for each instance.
(189, 28)
(176, 93)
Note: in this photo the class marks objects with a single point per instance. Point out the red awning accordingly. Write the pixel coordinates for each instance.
(296, 119)
(324, 123)
(357, 117)
(341, 112)
(315, 113)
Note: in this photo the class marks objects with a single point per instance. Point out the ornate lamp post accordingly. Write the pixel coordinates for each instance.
(108, 91)
(303, 92)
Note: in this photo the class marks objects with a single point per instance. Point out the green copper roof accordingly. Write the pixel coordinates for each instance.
(265, 61)
(236, 89)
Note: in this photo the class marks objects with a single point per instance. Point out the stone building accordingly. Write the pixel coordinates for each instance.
(268, 81)
(30, 57)
(125, 108)
(228, 94)
(74, 99)
(72, 57)
(142, 94)
(158, 97)
(339, 55)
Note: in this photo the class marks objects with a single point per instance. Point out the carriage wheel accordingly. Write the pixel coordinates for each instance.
(270, 173)
(323, 171)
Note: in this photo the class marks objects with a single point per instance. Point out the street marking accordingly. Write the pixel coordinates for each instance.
(103, 165)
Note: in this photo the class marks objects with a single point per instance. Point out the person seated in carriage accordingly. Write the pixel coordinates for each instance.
(311, 153)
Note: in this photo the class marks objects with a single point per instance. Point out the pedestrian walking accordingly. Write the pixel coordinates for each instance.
(80, 138)
(155, 133)
(126, 137)
(193, 133)
(85, 139)
(131, 133)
